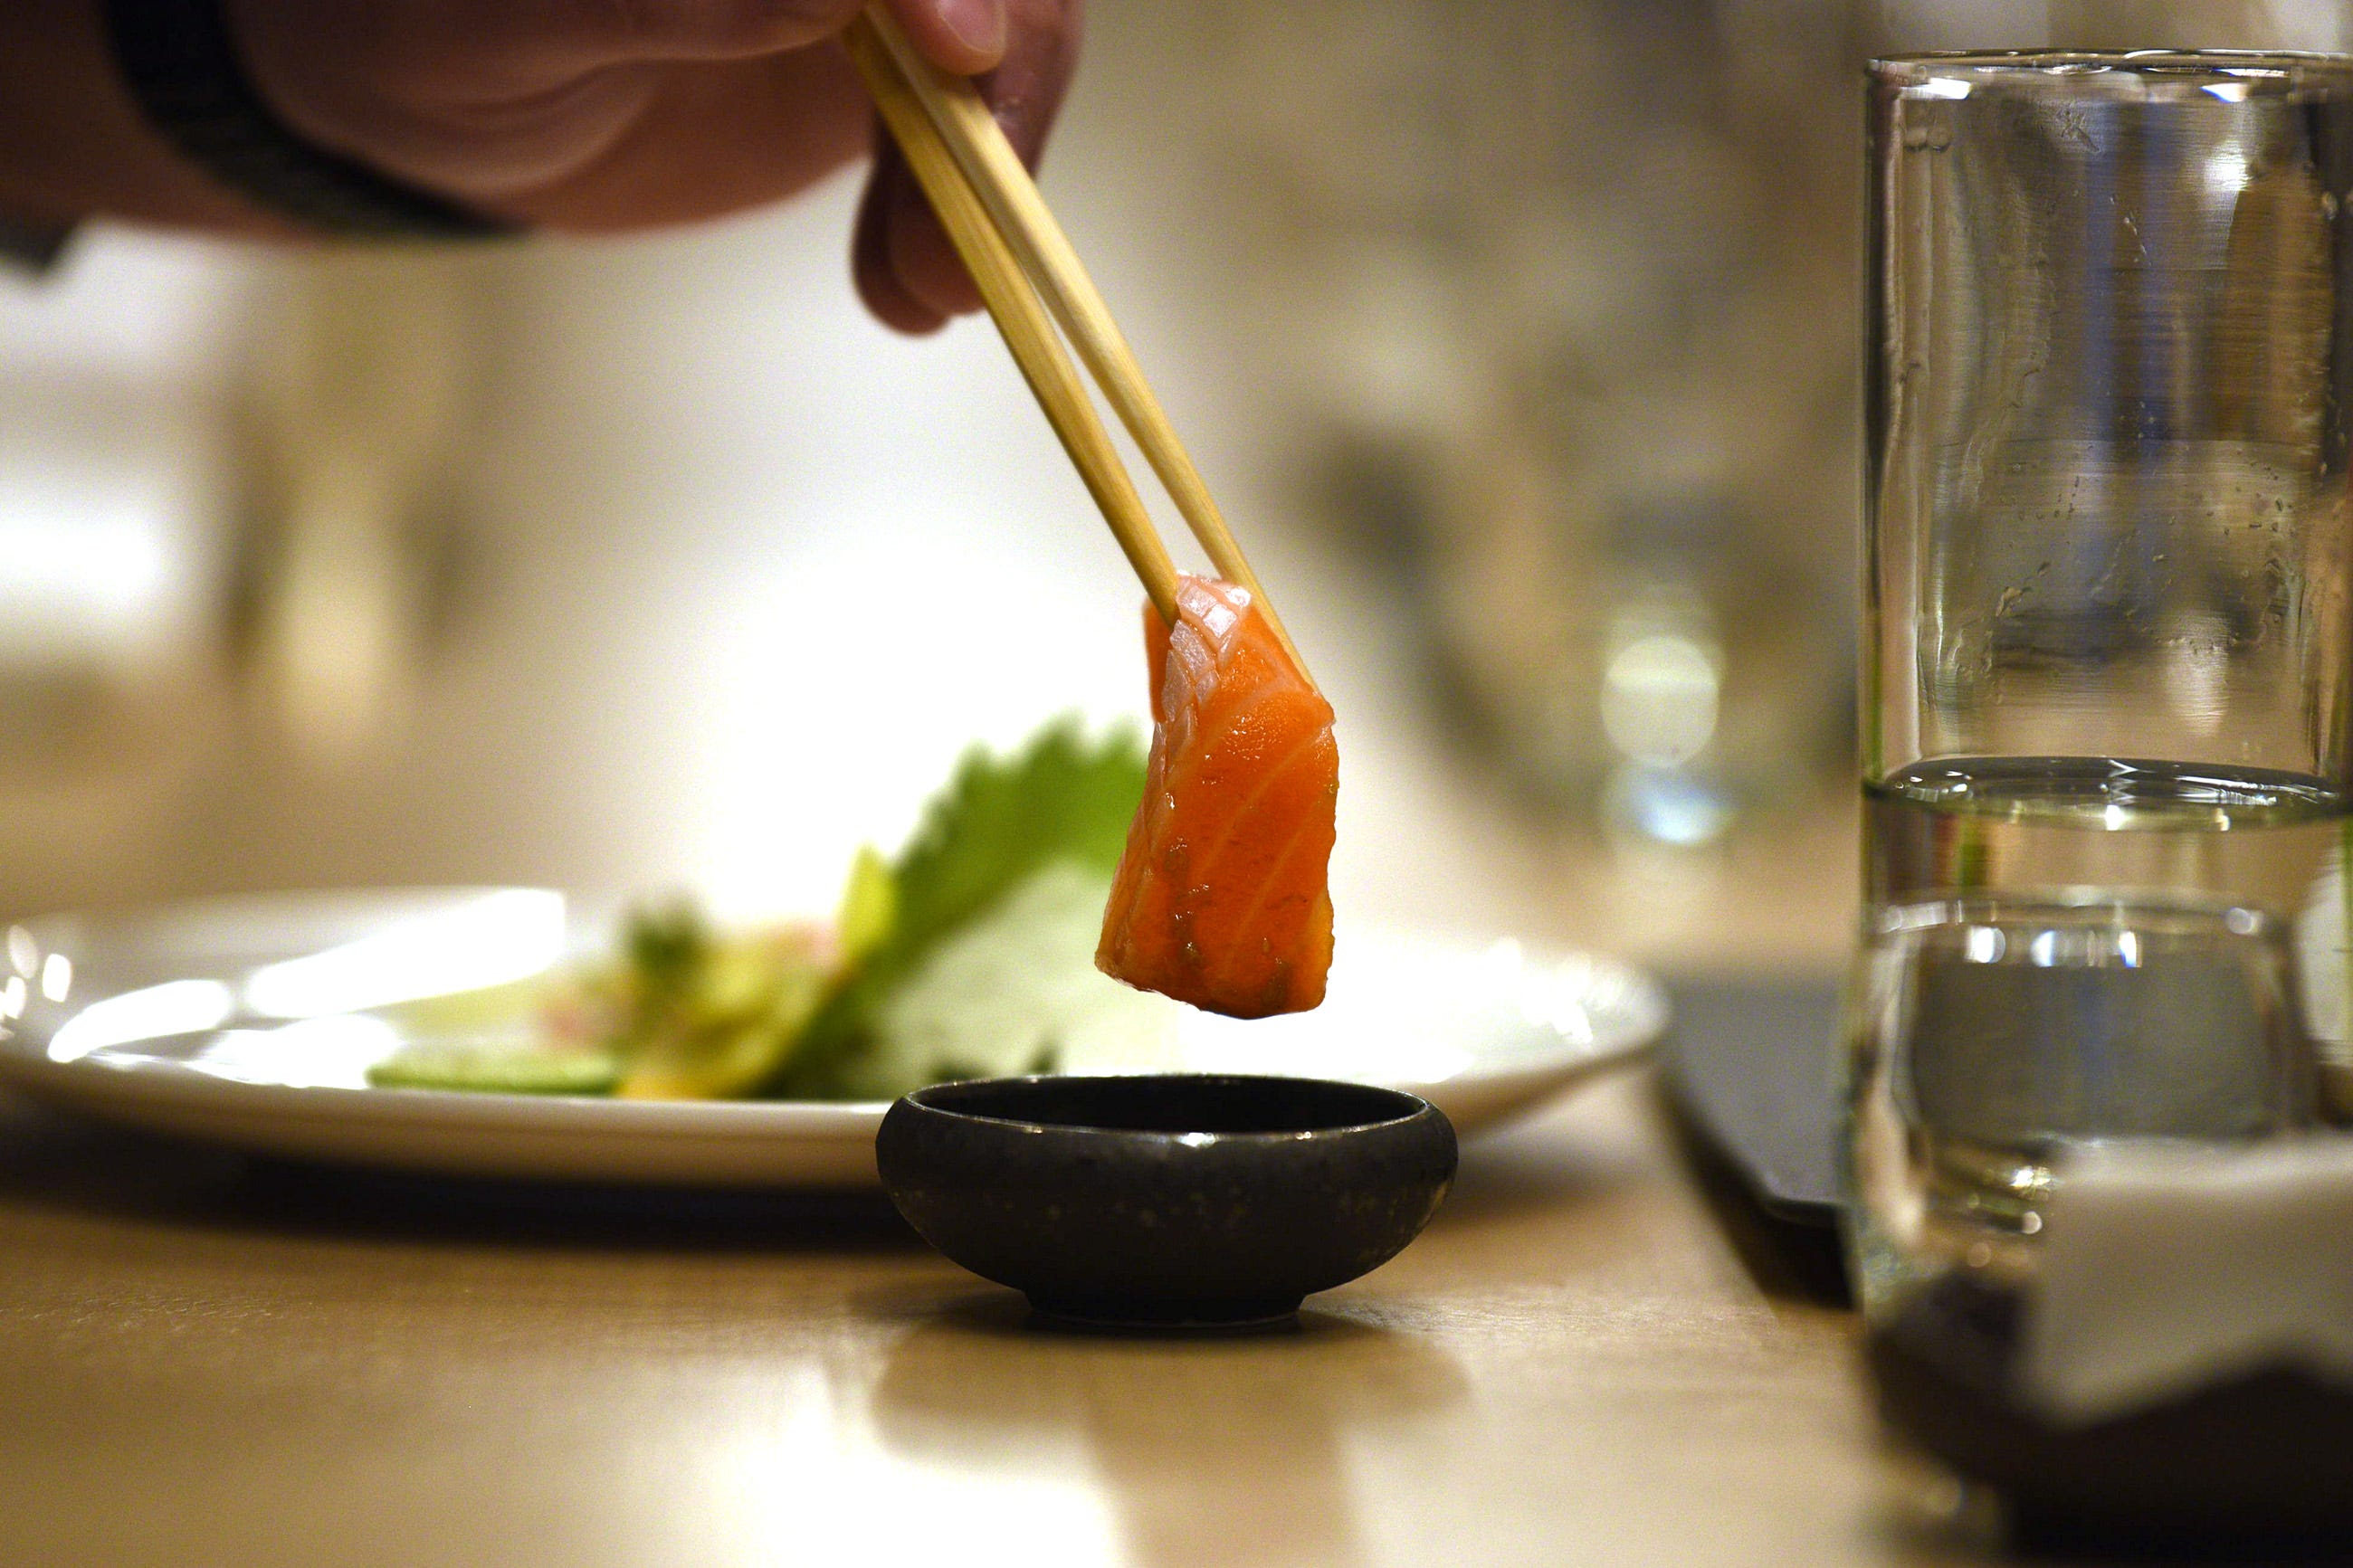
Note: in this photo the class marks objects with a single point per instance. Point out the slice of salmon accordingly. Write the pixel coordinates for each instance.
(1221, 898)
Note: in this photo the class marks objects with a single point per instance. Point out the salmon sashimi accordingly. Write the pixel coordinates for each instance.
(1221, 898)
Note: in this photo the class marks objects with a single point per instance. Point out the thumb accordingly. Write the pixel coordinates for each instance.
(595, 33)
(963, 36)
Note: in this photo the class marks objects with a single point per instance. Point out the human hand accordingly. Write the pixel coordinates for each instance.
(601, 115)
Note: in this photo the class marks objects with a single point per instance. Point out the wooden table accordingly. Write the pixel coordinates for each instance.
(206, 1363)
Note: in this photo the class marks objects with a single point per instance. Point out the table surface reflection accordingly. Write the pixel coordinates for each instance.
(205, 1361)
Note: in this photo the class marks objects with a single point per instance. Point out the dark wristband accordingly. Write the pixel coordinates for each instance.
(182, 69)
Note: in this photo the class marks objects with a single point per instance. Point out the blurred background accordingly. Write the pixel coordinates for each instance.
(1519, 339)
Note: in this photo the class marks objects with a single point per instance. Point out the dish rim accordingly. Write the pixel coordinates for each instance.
(1410, 1105)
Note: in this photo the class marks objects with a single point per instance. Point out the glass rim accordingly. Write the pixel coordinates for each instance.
(2085, 908)
(2026, 65)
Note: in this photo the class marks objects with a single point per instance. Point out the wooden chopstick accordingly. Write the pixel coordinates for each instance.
(1022, 221)
(1020, 317)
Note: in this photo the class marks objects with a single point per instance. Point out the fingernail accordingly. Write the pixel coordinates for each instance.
(979, 25)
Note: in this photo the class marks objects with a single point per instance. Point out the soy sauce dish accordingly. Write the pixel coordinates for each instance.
(1176, 1200)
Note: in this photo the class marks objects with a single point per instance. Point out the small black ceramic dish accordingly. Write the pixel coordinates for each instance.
(1179, 1200)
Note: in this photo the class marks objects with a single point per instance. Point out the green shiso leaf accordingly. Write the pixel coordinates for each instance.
(1015, 990)
(870, 906)
(1062, 800)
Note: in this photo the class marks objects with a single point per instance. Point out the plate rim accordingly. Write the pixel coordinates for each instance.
(94, 1086)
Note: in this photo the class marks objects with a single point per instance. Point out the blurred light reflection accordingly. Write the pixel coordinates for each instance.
(1659, 699)
(2226, 171)
(151, 1013)
(753, 1483)
(315, 1053)
(509, 934)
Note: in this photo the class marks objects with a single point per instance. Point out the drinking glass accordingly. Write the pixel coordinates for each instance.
(2107, 641)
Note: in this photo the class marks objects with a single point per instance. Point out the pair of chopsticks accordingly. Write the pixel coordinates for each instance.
(1024, 269)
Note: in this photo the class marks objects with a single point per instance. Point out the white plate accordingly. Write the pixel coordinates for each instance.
(244, 1022)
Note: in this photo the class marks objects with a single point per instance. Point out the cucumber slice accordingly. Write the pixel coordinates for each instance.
(494, 1071)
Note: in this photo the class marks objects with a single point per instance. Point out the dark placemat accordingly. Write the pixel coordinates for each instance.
(1753, 1067)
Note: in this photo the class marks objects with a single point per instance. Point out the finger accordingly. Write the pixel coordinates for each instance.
(556, 39)
(716, 138)
(486, 100)
(708, 30)
(1026, 92)
(1027, 88)
(965, 36)
(871, 263)
(912, 246)
(427, 52)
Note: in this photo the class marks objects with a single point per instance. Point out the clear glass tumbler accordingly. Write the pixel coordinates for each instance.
(2107, 644)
